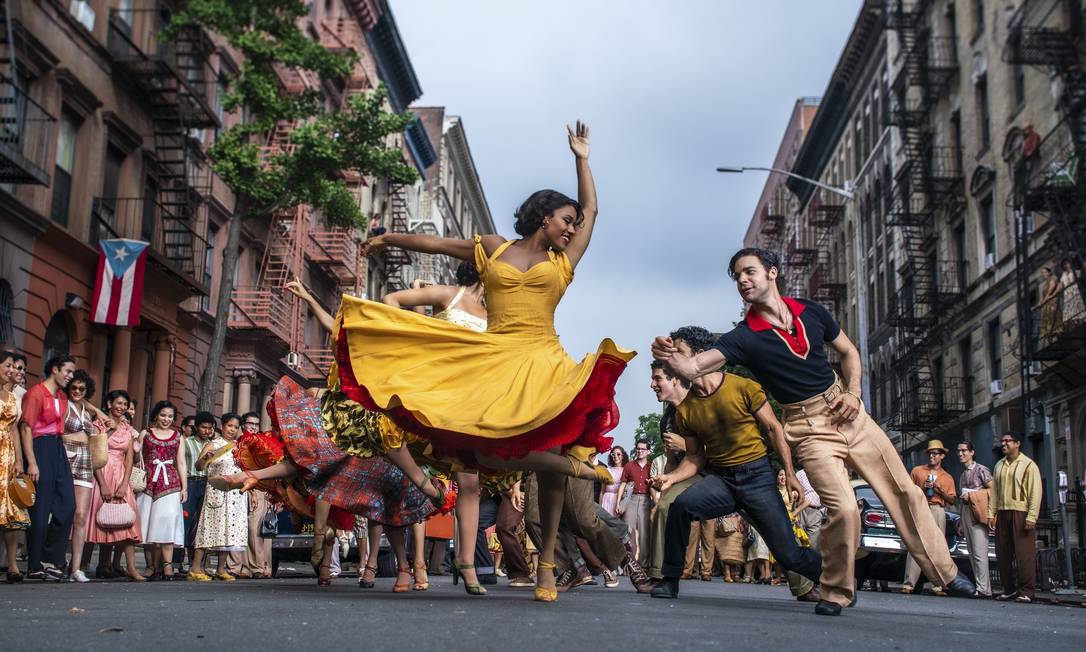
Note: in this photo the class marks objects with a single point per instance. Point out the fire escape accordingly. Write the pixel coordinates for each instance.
(827, 286)
(395, 262)
(772, 227)
(799, 258)
(926, 190)
(174, 77)
(1049, 179)
(26, 128)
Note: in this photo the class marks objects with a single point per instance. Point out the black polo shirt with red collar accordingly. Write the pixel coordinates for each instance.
(791, 365)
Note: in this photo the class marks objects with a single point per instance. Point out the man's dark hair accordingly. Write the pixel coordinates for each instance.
(114, 394)
(769, 259)
(659, 364)
(969, 446)
(1017, 436)
(255, 415)
(466, 274)
(541, 204)
(696, 337)
(642, 441)
(57, 361)
(80, 376)
(204, 417)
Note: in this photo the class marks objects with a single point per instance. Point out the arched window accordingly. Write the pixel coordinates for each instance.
(7, 307)
(58, 337)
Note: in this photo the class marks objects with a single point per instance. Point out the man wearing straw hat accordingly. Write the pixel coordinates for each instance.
(938, 487)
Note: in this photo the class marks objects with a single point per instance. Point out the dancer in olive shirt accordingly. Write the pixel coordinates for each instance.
(719, 419)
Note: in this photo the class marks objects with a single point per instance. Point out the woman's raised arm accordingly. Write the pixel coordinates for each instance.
(426, 244)
(586, 193)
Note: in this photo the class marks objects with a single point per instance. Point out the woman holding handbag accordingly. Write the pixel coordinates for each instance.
(12, 517)
(112, 517)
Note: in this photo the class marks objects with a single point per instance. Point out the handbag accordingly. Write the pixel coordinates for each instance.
(138, 478)
(978, 502)
(22, 491)
(99, 450)
(627, 494)
(115, 516)
(269, 525)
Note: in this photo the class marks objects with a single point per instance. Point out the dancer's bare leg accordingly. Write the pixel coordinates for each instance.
(399, 549)
(321, 547)
(11, 544)
(552, 493)
(418, 535)
(467, 517)
(368, 574)
(79, 525)
(401, 457)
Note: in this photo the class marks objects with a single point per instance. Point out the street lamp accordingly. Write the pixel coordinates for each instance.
(845, 192)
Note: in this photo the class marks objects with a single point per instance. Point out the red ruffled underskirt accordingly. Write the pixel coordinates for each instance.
(585, 421)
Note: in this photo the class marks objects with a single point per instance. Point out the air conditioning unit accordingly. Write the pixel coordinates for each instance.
(997, 387)
(989, 261)
(294, 359)
(1035, 368)
(82, 12)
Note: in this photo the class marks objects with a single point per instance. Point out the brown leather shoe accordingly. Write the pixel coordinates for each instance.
(686, 576)
(642, 583)
(811, 596)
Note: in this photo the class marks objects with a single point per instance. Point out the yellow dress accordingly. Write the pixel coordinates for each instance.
(12, 517)
(504, 392)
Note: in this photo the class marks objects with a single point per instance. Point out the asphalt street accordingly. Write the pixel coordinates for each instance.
(293, 614)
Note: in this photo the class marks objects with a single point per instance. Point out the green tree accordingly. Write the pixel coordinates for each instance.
(648, 429)
(325, 141)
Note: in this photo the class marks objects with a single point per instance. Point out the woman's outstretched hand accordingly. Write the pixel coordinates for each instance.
(375, 245)
(578, 140)
(296, 288)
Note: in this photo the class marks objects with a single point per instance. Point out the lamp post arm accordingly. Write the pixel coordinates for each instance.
(834, 189)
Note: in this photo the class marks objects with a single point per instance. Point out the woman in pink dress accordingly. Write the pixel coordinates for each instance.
(111, 485)
(616, 460)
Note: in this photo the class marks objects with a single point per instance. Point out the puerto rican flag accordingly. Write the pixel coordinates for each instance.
(118, 287)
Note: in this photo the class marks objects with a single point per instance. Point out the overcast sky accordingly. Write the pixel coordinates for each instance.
(670, 91)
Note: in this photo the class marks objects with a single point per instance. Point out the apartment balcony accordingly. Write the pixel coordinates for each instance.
(1063, 333)
(772, 224)
(1051, 173)
(174, 246)
(827, 211)
(313, 364)
(26, 133)
(336, 250)
(1042, 33)
(263, 312)
(927, 405)
(174, 74)
(825, 282)
(797, 256)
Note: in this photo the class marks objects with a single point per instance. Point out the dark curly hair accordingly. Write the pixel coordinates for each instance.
(541, 204)
(82, 376)
(466, 274)
(115, 394)
(697, 337)
(769, 260)
(160, 406)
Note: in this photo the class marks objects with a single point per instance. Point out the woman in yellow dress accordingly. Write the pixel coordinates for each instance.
(509, 398)
(12, 517)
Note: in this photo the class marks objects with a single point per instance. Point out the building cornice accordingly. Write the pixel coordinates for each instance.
(833, 112)
(467, 174)
(393, 64)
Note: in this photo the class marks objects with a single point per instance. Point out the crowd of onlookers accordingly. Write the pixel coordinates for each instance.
(101, 480)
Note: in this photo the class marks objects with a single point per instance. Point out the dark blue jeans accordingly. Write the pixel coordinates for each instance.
(748, 488)
(194, 503)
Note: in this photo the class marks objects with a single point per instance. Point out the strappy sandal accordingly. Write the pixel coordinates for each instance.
(316, 555)
(543, 594)
(472, 588)
(422, 584)
(404, 587)
(364, 583)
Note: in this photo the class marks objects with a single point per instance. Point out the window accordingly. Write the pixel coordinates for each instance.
(939, 380)
(956, 143)
(58, 337)
(978, 17)
(988, 228)
(965, 356)
(7, 307)
(960, 257)
(1018, 71)
(105, 225)
(882, 294)
(871, 305)
(62, 176)
(984, 117)
(995, 351)
(147, 220)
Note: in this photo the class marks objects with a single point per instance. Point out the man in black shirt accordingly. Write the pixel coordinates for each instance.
(783, 342)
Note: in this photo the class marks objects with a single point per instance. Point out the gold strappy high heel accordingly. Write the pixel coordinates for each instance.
(543, 594)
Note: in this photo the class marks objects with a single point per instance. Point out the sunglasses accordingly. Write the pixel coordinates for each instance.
(77, 388)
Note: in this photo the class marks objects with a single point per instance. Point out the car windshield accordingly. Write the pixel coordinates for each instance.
(867, 493)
